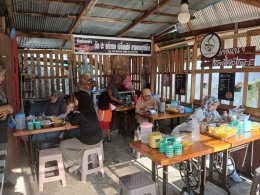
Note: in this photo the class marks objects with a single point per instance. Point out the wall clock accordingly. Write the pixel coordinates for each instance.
(210, 45)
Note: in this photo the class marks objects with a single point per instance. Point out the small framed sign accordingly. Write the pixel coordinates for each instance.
(226, 86)
(210, 45)
(166, 79)
(180, 84)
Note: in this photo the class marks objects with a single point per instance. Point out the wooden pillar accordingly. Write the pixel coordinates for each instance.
(193, 71)
(153, 67)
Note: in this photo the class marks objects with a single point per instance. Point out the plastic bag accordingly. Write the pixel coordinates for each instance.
(10, 122)
(191, 126)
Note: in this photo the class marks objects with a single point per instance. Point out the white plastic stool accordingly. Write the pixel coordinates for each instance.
(137, 136)
(96, 158)
(137, 184)
(3, 165)
(47, 155)
(256, 183)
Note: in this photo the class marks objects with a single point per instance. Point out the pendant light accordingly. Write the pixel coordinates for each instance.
(184, 15)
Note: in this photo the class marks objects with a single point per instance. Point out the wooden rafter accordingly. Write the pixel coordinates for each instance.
(225, 27)
(43, 35)
(45, 15)
(100, 19)
(255, 3)
(131, 10)
(68, 1)
(140, 19)
(190, 26)
(85, 8)
(9, 10)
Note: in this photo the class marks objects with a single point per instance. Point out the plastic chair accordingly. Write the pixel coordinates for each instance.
(3, 154)
(137, 184)
(47, 155)
(256, 182)
(96, 159)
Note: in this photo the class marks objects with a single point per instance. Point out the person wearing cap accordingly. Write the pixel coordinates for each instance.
(5, 110)
(144, 103)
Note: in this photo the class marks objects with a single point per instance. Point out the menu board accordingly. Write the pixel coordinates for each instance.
(180, 84)
(226, 86)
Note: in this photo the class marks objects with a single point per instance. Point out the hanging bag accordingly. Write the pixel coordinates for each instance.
(10, 122)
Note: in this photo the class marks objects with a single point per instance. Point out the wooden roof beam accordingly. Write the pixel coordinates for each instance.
(43, 35)
(140, 19)
(255, 3)
(131, 10)
(100, 19)
(221, 28)
(45, 15)
(85, 8)
(68, 1)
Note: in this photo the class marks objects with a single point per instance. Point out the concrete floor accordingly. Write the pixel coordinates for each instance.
(119, 161)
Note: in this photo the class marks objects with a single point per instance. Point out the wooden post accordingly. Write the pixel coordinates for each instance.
(193, 72)
(46, 80)
(153, 67)
(62, 73)
(248, 43)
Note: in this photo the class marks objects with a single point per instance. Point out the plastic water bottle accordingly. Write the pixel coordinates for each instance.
(20, 121)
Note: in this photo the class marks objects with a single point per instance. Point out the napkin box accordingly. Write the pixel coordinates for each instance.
(154, 139)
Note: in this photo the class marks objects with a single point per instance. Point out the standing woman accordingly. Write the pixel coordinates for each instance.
(112, 88)
(105, 113)
(5, 109)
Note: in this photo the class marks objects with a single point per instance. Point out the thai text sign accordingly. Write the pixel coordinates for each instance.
(239, 56)
(111, 46)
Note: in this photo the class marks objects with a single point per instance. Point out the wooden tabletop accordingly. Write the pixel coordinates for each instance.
(121, 108)
(24, 132)
(164, 115)
(247, 137)
(216, 144)
(195, 150)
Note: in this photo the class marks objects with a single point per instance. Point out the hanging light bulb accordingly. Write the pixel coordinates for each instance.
(184, 15)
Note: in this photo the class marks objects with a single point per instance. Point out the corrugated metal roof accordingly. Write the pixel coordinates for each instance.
(224, 12)
(160, 18)
(99, 28)
(216, 12)
(107, 13)
(144, 30)
(41, 23)
(135, 4)
(32, 6)
(39, 43)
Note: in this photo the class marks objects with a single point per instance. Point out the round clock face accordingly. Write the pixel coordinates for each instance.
(210, 45)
